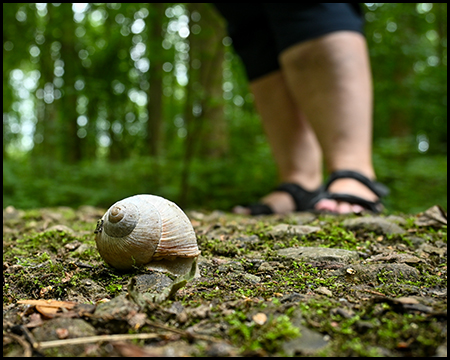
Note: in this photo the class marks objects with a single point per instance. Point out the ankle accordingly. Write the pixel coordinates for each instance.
(367, 171)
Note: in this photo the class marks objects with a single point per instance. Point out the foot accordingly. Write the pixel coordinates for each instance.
(287, 197)
(348, 193)
(279, 201)
(345, 186)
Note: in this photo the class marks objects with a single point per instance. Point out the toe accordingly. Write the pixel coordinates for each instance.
(326, 205)
(241, 210)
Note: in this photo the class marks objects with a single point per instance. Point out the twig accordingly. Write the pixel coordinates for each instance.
(373, 292)
(118, 337)
(91, 339)
(25, 345)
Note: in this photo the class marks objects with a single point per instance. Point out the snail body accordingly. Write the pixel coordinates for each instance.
(147, 230)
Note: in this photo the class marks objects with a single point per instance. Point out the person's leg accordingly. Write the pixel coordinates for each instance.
(329, 79)
(293, 143)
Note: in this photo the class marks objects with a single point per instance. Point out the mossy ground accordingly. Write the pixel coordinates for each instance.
(248, 300)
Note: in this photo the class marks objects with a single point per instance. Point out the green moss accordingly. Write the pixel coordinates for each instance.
(270, 336)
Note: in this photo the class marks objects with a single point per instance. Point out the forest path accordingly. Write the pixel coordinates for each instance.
(300, 284)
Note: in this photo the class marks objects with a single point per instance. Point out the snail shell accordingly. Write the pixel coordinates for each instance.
(147, 230)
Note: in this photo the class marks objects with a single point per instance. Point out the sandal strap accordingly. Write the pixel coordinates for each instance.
(260, 209)
(378, 188)
(304, 199)
(374, 206)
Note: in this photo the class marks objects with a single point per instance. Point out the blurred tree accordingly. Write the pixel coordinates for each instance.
(408, 49)
(155, 92)
(205, 123)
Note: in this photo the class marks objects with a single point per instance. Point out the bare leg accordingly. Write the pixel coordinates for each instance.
(293, 143)
(330, 80)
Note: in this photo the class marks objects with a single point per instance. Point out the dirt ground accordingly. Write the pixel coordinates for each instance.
(300, 284)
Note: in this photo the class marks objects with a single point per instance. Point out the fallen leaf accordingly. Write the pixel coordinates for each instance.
(35, 321)
(434, 216)
(48, 308)
(48, 312)
(49, 303)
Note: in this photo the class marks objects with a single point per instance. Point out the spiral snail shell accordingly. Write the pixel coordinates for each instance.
(147, 230)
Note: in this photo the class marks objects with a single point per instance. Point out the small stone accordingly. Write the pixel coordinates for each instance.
(260, 318)
(324, 291)
(252, 278)
(265, 267)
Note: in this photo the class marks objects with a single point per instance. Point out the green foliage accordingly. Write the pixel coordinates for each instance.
(416, 182)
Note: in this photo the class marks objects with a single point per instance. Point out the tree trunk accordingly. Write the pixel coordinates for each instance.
(203, 115)
(154, 105)
(70, 143)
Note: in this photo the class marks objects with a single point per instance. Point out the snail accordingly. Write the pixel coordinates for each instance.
(147, 230)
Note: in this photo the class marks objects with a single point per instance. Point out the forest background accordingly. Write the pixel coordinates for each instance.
(102, 101)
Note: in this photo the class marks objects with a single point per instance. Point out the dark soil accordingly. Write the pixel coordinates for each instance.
(301, 284)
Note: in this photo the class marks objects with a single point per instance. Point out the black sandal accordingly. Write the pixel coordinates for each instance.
(304, 200)
(377, 188)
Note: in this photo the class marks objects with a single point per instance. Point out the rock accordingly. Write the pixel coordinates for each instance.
(220, 349)
(153, 283)
(319, 254)
(67, 328)
(201, 311)
(376, 224)
(231, 266)
(432, 250)
(396, 257)
(246, 240)
(175, 308)
(434, 216)
(375, 273)
(292, 230)
(265, 267)
(293, 297)
(61, 228)
(119, 308)
(11, 213)
(324, 291)
(307, 344)
(259, 318)
(252, 278)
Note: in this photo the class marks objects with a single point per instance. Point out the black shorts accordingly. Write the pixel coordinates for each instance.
(261, 31)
